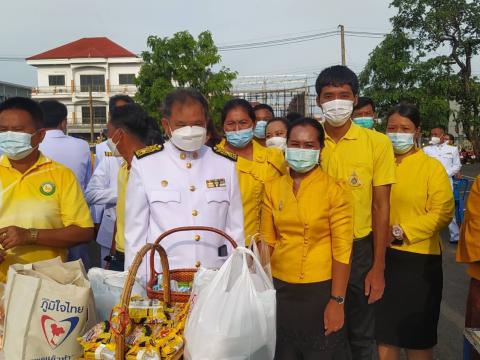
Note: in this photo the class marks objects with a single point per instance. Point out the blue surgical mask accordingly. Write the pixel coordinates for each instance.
(302, 160)
(402, 142)
(16, 145)
(240, 138)
(260, 129)
(366, 122)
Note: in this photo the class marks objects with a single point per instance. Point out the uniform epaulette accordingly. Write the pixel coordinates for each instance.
(226, 154)
(149, 150)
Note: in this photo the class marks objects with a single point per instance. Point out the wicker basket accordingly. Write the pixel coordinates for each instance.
(127, 293)
(180, 275)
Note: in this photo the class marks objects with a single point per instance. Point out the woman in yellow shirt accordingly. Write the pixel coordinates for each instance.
(421, 204)
(307, 220)
(255, 163)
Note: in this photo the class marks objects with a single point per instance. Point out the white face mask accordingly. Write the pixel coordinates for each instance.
(113, 148)
(277, 142)
(189, 138)
(435, 140)
(337, 112)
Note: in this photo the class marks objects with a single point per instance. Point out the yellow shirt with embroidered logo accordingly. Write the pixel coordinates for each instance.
(421, 202)
(363, 159)
(122, 181)
(267, 164)
(47, 196)
(307, 230)
(468, 250)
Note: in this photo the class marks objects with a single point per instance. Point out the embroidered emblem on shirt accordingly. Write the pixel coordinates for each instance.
(152, 149)
(48, 188)
(216, 183)
(354, 180)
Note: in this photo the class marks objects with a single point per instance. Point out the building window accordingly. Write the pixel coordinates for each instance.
(126, 79)
(94, 82)
(99, 115)
(56, 80)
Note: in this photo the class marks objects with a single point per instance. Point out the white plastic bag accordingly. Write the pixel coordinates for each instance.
(233, 317)
(107, 286)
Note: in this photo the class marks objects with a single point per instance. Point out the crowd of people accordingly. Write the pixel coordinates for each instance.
(351, 216)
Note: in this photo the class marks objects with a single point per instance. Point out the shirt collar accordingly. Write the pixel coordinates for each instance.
(172, 149)
(42, 159)
(353, 133)
(54, 133)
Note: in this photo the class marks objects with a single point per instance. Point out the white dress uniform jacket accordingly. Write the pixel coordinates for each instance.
(170, 188)
(101, 150)
(448, 155)
(102, 190)
(69, 151)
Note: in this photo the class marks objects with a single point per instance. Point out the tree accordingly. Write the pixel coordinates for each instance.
(395, 72)
(452, 26)
(182, 61)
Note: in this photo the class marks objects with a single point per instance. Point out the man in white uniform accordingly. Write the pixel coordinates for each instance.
(183, 183)
(69, 151)
(450, 158)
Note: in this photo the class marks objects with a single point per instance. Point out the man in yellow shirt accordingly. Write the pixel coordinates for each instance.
(468, 251)
(42, 208)
(364, 160)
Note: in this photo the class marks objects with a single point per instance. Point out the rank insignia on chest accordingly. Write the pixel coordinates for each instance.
(354, 180)
(216, 183)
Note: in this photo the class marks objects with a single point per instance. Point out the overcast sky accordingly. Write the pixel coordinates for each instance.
(30, 27)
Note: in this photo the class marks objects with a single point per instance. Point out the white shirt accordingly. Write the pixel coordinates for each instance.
(69, 151)
(448, 155)
(102, 190)
(172, 188)
(101, 150)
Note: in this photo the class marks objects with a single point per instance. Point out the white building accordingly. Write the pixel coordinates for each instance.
(71, 72)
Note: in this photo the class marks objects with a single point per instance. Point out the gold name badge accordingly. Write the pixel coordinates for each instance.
(216, 183)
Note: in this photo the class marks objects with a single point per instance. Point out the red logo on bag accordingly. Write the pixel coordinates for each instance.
(56, 332)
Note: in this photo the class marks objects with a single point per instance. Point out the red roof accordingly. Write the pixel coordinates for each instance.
(97, 47)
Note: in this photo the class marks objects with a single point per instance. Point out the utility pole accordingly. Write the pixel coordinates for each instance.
(342, 43)
(90, 105)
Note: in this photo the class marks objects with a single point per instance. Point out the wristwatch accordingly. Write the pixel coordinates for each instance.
(397, 233)
(338, 299)
(33, 235)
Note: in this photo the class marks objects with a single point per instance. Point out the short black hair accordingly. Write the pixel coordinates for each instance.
(112, 102)
(133, 119)
(183, 96)
(154, 133)
(293, 115)
(237, 103)
(27, 105)
(265, 107)
(337, 75)
(364, 101)
(54, 112)
(451, 137)
(279, 119)
(441, 127)
(408, 111)
(306, 121)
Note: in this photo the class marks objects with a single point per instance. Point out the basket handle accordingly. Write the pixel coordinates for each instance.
(127, 290)
(183, 229)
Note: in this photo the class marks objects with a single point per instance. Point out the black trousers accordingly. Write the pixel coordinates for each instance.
(359, 315)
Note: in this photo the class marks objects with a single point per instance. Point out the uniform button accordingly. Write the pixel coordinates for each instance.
(198, 264)
(193, 188)
(197, 237)
(194, 213)
(189, 165)
(183, 156)
(164, 183)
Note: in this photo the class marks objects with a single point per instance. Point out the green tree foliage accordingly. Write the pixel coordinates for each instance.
(182, 61)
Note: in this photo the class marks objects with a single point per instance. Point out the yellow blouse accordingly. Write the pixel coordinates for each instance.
(468, 250)
(308, 230)
(421, 202)
(267, 164)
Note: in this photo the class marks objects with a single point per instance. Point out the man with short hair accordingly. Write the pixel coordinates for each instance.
(183, 183)
(263, 114)
(364, 113)
(43, 211)
(364, 161)
(449, 156)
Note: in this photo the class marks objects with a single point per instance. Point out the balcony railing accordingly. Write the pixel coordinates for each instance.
(84, 90)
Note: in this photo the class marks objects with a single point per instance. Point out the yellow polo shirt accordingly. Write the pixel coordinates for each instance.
(309, 229)
(122, 181)
(363, 159)
(47, 196)
(421, 202)
(267, 164)
(468, 250)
